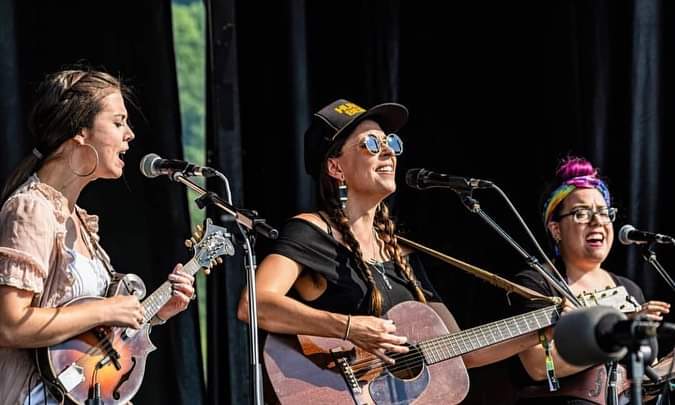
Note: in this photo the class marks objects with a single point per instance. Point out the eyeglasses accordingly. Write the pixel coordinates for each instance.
(606, 215)
(372, 143)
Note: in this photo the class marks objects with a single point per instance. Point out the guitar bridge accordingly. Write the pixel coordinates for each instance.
(348, 375)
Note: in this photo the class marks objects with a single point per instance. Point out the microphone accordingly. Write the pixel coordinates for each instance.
(423, 179)
(599, 334)
(629, 235)
(152, 166)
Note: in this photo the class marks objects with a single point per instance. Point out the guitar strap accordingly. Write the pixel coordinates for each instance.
(495, 280)
(95, 248)
(610, 375)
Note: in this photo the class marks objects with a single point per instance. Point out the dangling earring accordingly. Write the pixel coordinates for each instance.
(556, 248)
(342, 194)
(70, 162)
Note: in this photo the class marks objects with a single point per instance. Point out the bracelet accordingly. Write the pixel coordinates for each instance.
(349, 325)
(553, 383)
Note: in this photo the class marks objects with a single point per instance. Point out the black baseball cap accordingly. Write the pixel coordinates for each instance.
(338, 119)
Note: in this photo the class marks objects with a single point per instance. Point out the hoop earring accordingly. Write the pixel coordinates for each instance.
(89, 173)
(342, 194)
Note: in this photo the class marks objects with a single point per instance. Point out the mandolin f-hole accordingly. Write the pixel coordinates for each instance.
(116, 391)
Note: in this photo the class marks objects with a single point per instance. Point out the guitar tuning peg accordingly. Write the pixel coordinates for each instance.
(197, 235)
(189, 243)
(199, 228)
(207, 271)
(219, 260)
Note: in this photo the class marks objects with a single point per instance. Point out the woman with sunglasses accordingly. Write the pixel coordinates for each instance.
(333, 272)
(578, 217)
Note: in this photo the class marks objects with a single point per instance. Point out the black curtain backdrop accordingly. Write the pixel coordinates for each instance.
(500, 91)
(496, 91)
(143, 222)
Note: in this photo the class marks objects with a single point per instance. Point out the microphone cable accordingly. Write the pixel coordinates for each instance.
(562, 283)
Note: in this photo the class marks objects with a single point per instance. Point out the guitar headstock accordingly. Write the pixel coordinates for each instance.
(210, 244)
(616, 297)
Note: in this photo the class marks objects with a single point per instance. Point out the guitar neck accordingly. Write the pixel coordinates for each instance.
(162, 295)
(455, 344)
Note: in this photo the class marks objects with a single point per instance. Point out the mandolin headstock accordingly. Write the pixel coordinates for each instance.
(209, 244)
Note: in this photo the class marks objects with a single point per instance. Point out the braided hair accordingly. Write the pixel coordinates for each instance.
(384, 229)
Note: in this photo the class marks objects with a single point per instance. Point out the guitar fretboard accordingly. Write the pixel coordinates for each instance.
(455, 344)
(162, 295)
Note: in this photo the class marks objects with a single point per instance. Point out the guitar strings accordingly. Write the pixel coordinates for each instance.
(432, 346)
(463, 340)
(464, 337)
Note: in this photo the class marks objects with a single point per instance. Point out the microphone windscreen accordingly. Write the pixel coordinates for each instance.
(576, 336)
(147, 165)
(623, 234)
(412, 178)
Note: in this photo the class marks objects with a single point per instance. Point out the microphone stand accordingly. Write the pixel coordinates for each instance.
(474, 206)
(246, 220)
(640, 330)
(649, 255)
(249, 219)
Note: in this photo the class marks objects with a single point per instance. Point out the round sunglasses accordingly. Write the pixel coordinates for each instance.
(372, 143)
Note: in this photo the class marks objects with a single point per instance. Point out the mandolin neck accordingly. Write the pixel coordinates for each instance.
(162, 295)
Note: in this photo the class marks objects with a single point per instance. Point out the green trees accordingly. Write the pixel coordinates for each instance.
(189, 39)
(189, 42)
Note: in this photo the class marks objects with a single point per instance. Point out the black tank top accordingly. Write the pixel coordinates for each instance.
(347, 291)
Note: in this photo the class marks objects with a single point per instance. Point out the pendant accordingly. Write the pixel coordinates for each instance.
(379, 268)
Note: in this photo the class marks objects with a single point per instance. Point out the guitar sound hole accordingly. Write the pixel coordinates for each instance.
(408, 365)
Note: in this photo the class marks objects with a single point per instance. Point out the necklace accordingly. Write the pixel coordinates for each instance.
(379, 268)
(378, 265)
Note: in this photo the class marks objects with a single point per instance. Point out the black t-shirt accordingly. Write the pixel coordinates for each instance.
(347, 291)
(533, 280)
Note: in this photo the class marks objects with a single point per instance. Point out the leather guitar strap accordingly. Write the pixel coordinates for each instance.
(495, 280)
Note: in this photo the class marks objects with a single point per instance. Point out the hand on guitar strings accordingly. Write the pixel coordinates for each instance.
(654, 310)
(182, 291)
(376, 335)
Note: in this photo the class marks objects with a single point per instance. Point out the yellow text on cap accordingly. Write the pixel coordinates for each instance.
(350, 109)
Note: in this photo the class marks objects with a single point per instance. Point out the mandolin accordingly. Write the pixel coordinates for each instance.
(112, 359)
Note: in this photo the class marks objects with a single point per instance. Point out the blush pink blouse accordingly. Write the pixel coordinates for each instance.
(33, 257)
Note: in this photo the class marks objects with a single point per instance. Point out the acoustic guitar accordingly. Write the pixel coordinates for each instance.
(316, 370)
(112, 359)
